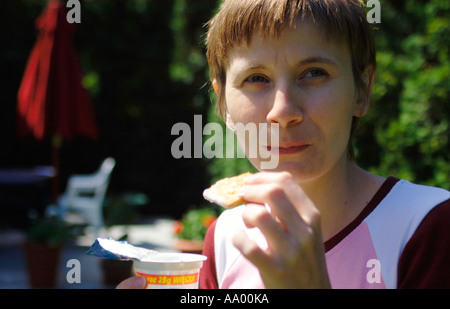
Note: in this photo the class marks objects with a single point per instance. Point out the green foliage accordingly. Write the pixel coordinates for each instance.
(195, 222)
(144, 68)
(123, 209)
(226, 167)
(52, 232)
(187, 59)
(406, 133)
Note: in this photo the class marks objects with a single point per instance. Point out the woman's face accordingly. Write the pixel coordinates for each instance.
(304, 83)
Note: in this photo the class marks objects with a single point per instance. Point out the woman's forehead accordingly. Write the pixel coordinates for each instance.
(302, 43)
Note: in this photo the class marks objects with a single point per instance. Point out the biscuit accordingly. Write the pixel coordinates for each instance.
(225, 192)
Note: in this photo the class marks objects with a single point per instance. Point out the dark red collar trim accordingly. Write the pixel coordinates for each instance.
(376, 199)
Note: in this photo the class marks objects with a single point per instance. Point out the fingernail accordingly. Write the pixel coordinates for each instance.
(140, 282)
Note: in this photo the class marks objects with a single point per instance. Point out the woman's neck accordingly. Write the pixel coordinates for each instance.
(341, 195)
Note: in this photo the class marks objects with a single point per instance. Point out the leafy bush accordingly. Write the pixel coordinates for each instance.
(52, 231)
(194, 223)
(406, 133)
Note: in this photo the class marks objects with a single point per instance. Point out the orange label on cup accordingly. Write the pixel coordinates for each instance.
(170, 279)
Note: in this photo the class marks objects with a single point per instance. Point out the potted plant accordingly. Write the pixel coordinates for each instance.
(120, 210)
(190, 231)
(42, 247)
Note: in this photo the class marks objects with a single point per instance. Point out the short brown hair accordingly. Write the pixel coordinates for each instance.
(238, 20)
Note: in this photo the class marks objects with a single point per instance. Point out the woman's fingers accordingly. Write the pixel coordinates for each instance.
(251, 250)
(294, 255)
(254, 215)
(281, 190)
(136, 282)
(286, 229)
(281, 207)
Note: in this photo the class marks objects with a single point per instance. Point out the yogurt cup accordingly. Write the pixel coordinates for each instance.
(170, 270)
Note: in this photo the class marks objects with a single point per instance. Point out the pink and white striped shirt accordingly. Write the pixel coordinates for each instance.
(389, 245)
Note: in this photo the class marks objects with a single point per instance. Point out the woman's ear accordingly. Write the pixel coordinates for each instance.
(215, 86)
(363, 101)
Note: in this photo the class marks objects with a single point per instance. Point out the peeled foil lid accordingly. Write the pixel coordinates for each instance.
(119, 250)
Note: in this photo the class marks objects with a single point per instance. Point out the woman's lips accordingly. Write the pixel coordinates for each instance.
(287, 150)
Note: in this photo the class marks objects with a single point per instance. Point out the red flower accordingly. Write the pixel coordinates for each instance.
(208, 220)
(178, 227)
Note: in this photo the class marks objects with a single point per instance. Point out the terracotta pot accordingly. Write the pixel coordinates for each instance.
(189, 246)
(42, 264)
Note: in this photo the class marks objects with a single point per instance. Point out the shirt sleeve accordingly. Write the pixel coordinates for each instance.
(424, 262)
(208, 276)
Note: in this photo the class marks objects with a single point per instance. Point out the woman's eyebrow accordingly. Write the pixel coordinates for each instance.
(254, 65)
(250, 66)
(247, 66)
(243, 68)
(316, 60)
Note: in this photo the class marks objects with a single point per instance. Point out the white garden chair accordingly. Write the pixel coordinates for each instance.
(85, 194)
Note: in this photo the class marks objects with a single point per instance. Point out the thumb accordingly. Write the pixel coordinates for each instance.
(136, 282)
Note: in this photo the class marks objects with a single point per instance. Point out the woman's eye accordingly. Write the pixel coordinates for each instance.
(315, 73)
(257, 79)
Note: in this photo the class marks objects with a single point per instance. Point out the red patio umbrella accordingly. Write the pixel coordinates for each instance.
(51, 100)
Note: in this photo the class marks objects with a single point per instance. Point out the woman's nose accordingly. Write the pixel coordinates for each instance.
(285, 109)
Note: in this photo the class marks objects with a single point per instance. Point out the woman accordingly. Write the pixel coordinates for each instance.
(309, 66)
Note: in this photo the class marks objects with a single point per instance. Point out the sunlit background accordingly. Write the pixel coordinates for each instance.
(144, 69)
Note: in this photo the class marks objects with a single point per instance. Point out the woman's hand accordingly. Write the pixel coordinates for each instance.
(136, 282)
(295, 255)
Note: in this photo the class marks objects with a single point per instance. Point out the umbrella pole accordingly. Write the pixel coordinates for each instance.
(56, 145)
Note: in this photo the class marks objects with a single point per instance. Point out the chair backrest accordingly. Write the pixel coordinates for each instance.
(86, 193)
(95, 184)
(108, 165)
(104, 175)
